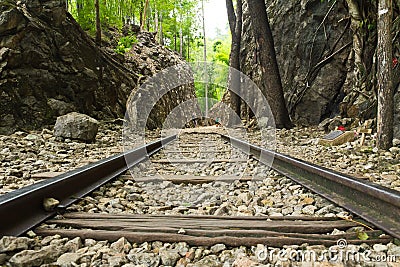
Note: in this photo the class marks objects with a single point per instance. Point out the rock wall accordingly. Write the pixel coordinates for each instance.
(49, 67)
(149, 58)
(316, 58)
(306, 34)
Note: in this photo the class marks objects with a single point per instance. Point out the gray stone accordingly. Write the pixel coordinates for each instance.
(217, 248)
(134, 197)
(32, 137)
(48, 239)
(44, 255)
(182, 248)
(393, 249)
(380, 248)
(12, 243)
(115, 261)
(396, 142)
(209, 261)
(121, 245)
(90, 242)
(309, 210)
(49, 204)
(245, 197)
(395, 150)
(68, 259)
(76, 126)
(148, 259)
(169, 257)
(73, 245)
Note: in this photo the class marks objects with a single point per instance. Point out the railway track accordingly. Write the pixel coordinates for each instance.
(192, 164)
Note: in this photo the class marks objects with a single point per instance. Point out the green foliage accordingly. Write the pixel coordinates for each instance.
(125, 44)
(221, 49)
(178, 19)
(362, 235)
(112, 12)
(175, 21)
(217, 72)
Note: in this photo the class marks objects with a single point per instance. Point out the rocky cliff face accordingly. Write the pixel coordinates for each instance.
(316, 57)
(312, 45)
(149, 58)
(50, 67)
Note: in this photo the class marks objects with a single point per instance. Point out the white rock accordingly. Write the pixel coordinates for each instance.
(217, 248)
(309, 210)
(68, 258)
(76, 126)
(121, 245)
(380, 248)
(36, 257)
(11, 243)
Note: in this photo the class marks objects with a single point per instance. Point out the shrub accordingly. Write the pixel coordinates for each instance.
(125, 44)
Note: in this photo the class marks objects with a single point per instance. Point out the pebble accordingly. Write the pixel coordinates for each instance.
(217, 248)
(68, 259)
(380, 248)
(11, 243)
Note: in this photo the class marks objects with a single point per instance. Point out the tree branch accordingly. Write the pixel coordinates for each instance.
(316, 31)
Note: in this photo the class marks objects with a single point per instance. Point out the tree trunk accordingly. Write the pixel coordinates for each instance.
(156, 22)
(235, 23)
(141, 13)
(205, 59)
(98, 26)
(358, 44)
(79, 7)
(384, 76)
(144, 16)
(181, 41)
(188, 47)
(271, 84)
(161, 30)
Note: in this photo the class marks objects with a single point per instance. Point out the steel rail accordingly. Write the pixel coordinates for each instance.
(22, 209)
(376, 204)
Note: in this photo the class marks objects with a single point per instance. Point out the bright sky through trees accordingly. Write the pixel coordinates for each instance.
(216, 18)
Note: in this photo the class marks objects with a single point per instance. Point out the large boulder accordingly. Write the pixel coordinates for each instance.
(161, 93)
(76, 126)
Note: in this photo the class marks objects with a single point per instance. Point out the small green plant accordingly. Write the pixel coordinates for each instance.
(125, 44)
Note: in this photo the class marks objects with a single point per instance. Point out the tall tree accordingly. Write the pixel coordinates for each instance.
(205, 58)
(144, 16)
(98, 26)
(235, 23)
(384, 75)
(271, 81)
